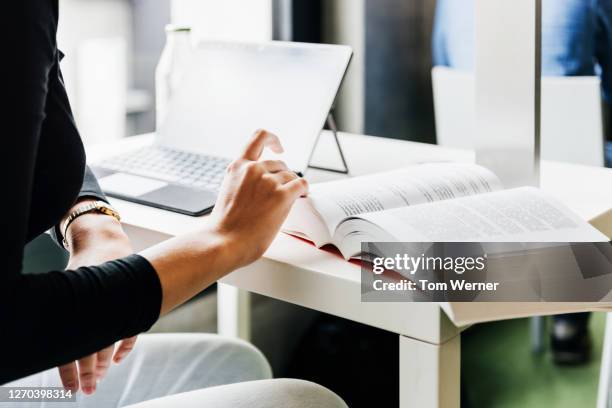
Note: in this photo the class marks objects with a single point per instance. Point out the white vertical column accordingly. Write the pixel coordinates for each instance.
(233, 312)
(344, 23)
(508, 89)
(604, 397)
(430, 373)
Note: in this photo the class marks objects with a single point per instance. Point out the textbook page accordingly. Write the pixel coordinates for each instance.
(419, 184)
(303, 221)
(519, 215)
(603, 223)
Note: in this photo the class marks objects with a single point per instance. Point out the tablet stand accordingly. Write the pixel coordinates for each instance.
(331, 123)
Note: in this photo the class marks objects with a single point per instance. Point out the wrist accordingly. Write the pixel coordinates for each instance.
(87, 227)
(93, 229)
(229, 247)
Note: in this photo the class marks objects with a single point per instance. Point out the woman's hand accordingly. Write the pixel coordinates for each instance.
(255, 198)
(94, 239)
(254, 201)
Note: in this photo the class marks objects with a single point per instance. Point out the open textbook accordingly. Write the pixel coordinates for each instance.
(443, 202)
(434, 202)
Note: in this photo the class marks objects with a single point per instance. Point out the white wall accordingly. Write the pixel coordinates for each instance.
(83, 27)
(225, 20)
(92, 19)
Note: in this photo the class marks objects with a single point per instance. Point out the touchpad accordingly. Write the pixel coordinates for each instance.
(182, 199)
(156, 193)
(130, 185)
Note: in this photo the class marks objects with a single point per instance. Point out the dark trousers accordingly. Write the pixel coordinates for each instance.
(578, 320)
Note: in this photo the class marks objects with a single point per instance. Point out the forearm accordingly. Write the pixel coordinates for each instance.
(185, 265)
(188, 264)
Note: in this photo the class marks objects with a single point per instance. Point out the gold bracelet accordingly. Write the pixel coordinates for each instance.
(96, 206)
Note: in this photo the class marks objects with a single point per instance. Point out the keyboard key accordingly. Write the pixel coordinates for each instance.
(173, 166)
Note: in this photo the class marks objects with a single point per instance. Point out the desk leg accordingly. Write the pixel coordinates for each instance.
(233, 312)
(429, 373)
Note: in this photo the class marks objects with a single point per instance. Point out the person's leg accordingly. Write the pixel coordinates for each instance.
(165, 364)
(570, 340)
(281, 393)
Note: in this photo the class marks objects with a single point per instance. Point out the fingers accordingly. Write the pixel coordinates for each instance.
(103, 361)
(87, 374)
(90, 370)
(283, 177)
(259, 141)
(275, 169)
(291, 182)
(274, 166)
(69, 376)
(93, 367)
(296, 188)
(124, 349)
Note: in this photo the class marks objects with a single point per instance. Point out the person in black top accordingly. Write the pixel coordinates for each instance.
(107, 293)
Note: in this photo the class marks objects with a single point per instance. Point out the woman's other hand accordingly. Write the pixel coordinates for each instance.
(255, 199)
(94, 239)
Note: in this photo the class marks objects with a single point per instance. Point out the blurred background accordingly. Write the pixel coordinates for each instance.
(112, 48)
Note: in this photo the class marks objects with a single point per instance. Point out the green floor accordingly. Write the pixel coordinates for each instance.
(499, 369)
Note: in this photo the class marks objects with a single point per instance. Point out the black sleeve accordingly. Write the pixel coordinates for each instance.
(90, 187)
(58, 316)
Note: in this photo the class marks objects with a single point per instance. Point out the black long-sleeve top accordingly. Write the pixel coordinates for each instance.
(52, 318)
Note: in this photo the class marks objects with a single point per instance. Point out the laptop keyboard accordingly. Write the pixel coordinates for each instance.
(173, 166)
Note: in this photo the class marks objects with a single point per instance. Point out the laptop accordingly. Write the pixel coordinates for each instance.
(228, 92)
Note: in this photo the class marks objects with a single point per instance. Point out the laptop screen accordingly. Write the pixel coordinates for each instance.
(230, 90)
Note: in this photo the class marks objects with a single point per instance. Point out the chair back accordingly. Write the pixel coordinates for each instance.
(572, 122)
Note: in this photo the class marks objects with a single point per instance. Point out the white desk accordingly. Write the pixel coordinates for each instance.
(296, 272)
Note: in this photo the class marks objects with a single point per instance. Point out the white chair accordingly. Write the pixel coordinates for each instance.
(572, 123)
